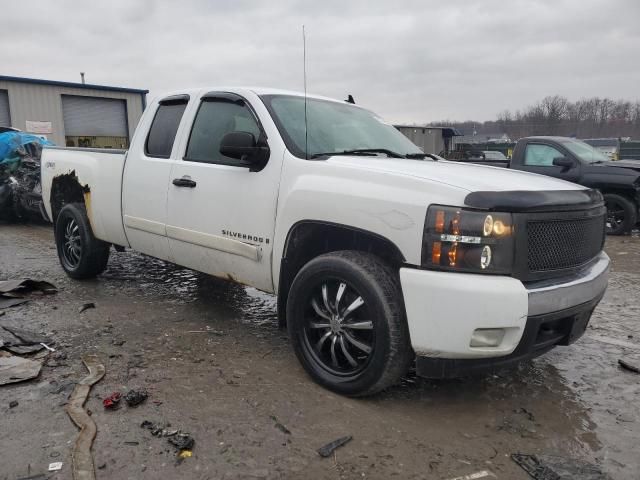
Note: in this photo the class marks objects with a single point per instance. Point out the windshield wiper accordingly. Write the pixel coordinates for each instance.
(366, 151)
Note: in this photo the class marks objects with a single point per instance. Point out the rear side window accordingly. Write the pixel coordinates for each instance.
(213, 121)
(164, 128)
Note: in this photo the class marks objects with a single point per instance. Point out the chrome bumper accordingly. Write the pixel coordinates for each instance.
(549, 296)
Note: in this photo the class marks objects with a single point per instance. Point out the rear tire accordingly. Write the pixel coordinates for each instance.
(621, 214)
(346, 321)
(80, 253)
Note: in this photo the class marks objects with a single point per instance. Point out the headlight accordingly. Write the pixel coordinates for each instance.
(468, 240)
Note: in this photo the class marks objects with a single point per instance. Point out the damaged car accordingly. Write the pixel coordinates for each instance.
(379, 254)
(20, 187)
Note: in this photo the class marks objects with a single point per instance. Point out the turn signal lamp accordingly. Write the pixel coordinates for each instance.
(468, 240)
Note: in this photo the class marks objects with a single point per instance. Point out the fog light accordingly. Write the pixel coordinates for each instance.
(487, 337)
(488, 226)
(485, 258)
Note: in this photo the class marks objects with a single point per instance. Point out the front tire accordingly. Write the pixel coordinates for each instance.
(80, 253)
(346, 321)
(621, 214)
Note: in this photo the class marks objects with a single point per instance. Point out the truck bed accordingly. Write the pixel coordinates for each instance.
(96, 174)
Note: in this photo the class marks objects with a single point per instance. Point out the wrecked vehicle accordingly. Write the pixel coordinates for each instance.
(20, 190)
(379, 255)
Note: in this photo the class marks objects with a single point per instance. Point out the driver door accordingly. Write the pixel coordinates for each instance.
(221, 216)
(538, 158)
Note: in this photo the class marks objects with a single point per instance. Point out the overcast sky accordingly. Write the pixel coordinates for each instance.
(412, 61)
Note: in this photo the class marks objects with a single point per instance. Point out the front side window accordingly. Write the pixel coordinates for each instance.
(538, 155)
(332, 127)
(215, 119)
(585, 152)
(163, 129)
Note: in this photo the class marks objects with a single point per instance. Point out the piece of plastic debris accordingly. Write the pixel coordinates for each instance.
(82, 460)
(158, 430)
(47, 347)
(551, 467)
(329, 448)
(20, 341)
(55, 466)
(628, 365)
(135, 397)
(475, 475)
(12, 291)
(112, 401)
(15, 369)
(182, 441)
(280, 426)
(185, 454)
(86, 306)
(13, 404)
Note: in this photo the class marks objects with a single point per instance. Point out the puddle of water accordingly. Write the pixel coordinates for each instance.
(152, 277)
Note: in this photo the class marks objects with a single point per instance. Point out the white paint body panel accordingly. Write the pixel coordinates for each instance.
(443, 310)
(385, 196)
(102, 172)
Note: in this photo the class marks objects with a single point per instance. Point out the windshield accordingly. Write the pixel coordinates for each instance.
(585, 152)
(334, 127)
(493, 155)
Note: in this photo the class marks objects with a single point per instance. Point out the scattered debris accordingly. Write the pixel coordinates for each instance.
(475, 475)
(13, 404)
(82, 459)
(628, 365)
(11, 302)
(86, 306)
(218, 333)
(26, 285)
(135, 397)
(551, 467)
(329, 448)
(16, 369)
(182, 441)
(158, 430)
(20, 341)
(47, 347)
(112, 401)
(185, 454)
(12, 291)
(280, 426)
(55, 466)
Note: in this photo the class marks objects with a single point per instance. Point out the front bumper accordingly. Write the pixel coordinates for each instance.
(445, 309)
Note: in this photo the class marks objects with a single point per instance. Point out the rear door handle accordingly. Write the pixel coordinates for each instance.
(184, 182)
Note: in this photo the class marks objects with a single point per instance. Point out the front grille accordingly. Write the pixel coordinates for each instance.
(556, 244)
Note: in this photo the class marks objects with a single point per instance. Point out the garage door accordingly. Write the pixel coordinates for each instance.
(5, 117)
(90, 116)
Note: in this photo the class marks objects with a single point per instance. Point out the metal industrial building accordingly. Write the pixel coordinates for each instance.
(430, 139)
(71, 114)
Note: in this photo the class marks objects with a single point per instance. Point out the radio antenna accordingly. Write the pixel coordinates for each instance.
(304, 70)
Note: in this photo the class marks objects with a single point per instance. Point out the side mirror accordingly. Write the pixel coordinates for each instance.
(565, 162)
(243, 146)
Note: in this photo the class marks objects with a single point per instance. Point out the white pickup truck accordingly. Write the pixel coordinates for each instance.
(379, 254)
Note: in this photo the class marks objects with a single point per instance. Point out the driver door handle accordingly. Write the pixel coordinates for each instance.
(184, 182)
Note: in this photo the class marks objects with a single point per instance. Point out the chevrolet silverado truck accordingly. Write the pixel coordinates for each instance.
(379, 255)
(576, 161)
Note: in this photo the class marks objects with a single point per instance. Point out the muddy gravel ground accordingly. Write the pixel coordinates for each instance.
(216, 365)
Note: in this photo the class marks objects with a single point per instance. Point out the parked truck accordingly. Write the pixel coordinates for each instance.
(576, 161)
(379, 255)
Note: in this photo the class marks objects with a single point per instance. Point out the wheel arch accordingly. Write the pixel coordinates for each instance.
(66, 189)
(308, 239)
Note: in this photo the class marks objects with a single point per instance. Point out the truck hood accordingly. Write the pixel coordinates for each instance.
(465, 176)
(621, 167)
